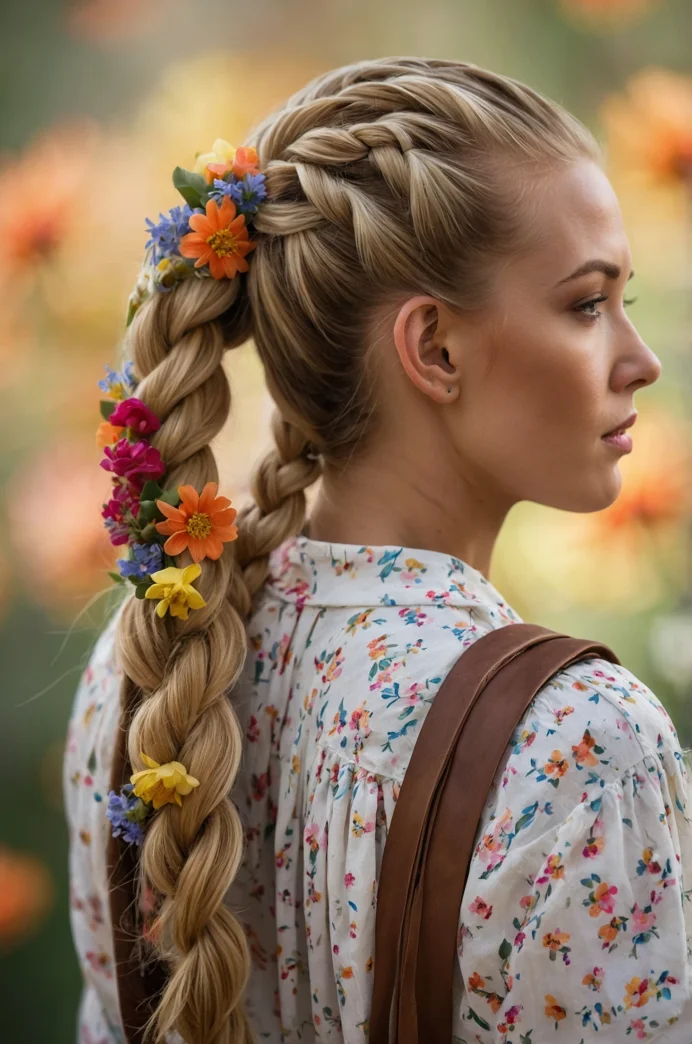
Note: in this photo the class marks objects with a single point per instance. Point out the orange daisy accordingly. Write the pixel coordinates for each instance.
(220, 240)
(201, 523)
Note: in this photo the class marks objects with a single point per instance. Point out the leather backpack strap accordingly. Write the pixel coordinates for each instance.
(139, 983)
(436, 818)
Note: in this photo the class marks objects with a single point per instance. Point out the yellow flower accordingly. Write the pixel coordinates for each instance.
(221, 152)
(174, 587)
(162, 784)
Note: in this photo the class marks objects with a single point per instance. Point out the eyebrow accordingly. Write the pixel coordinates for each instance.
(607, 267)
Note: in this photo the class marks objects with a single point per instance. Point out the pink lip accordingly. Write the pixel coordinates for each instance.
(622, 442)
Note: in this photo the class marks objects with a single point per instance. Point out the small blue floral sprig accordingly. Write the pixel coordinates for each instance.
(247, 192)
(128, 814)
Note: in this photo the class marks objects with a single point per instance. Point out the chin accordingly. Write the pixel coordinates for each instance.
(589, 495)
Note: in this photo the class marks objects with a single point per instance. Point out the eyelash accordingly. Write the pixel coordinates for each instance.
(597, 300)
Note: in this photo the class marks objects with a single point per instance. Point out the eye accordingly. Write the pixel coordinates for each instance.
(585, 307)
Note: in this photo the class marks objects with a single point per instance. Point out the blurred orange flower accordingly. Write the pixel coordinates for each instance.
(26, 894)
(102, 20)
(107, 434)
(612, 13)
(650, 125)
(53, 505)
(40, 194)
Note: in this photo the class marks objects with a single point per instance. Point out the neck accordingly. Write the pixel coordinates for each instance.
(403, 503)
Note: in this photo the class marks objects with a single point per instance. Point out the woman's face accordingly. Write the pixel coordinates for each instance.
(551, 364)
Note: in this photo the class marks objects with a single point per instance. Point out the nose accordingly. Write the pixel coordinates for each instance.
(640, 366)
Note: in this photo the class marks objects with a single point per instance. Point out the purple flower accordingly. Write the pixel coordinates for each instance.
(247, 193)
(136, 415)
(115, 514)
(126, 813)
(166, 235)
(119, 385)
(135, 461)
(147, 559)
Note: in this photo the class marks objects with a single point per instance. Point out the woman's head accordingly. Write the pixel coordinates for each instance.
(418, 214)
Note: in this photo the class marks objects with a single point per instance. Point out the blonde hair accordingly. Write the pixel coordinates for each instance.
(384, 177)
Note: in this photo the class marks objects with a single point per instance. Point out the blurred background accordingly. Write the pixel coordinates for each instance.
(99, 101)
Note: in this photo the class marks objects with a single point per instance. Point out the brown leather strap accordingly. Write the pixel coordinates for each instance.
(433, 829)
(138, 984)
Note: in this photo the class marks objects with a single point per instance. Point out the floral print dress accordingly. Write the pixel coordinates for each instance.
(575, 922)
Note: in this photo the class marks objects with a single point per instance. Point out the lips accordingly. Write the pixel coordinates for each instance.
(621, 427)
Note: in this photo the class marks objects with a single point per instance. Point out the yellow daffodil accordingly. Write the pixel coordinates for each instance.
(174, 587)
(162, 784)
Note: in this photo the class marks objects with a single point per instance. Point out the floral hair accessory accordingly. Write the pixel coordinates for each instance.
(162, 784)
(208, 236)
(130, 809)
(155, 523)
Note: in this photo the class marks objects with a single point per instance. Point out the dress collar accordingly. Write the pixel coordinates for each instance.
(320, 573)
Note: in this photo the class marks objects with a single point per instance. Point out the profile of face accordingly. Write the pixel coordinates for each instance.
(517, 396)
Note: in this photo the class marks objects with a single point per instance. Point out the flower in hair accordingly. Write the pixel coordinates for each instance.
(202, 523)
(174, 588)
(146, 560)
(119, 385)
(166, 235)
(246, 194)
(135, 461)
(132, 413)
(219, 240)
(162, 784)
(127, 814)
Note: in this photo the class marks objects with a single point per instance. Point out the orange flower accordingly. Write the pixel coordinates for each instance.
(220, 240)
(556, 765)
(107, 434)
(202, 523)
(582, 751)
(244, 162)
(476, 982)
(554, 940)
(553, 1010)
(638, 993)
(26, 893)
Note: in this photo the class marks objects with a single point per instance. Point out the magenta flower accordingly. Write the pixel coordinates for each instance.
(134, 461)
(134, 414)
(115, 514)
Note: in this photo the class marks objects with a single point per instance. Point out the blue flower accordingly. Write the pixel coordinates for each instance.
(119, 385)
(166, 235)
(126, 814)
(147, 559)
(247, 194)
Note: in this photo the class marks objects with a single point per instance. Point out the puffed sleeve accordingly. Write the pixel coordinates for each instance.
(575, 922)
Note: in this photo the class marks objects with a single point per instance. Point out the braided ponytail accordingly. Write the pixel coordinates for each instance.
(384, 178)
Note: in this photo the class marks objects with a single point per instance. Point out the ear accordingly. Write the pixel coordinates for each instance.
(422, 350)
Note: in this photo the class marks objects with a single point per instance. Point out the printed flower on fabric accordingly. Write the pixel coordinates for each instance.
(174, 589)
(135, 461)
(162, 784)
(201, 523)
(134, 414)
(219, 240)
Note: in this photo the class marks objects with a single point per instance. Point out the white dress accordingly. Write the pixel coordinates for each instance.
(575, 923)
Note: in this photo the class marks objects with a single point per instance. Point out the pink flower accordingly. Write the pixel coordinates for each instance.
(349, 879)
(136, 415)
(135, 461)
(114, 513)
(642, 920)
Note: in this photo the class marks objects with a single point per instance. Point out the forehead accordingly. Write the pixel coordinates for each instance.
(573, 216)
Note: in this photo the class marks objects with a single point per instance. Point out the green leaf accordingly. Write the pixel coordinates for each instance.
(149, 533)
(505, 949)
(117, 577)
(171, 496)
(135, 580)
(148, 511)
(192, 187)
(476, 1018)
(107, 408)
(150, 490)
(141, 589)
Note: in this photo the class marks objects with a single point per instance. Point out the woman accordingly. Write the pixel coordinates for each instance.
(436, 291)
